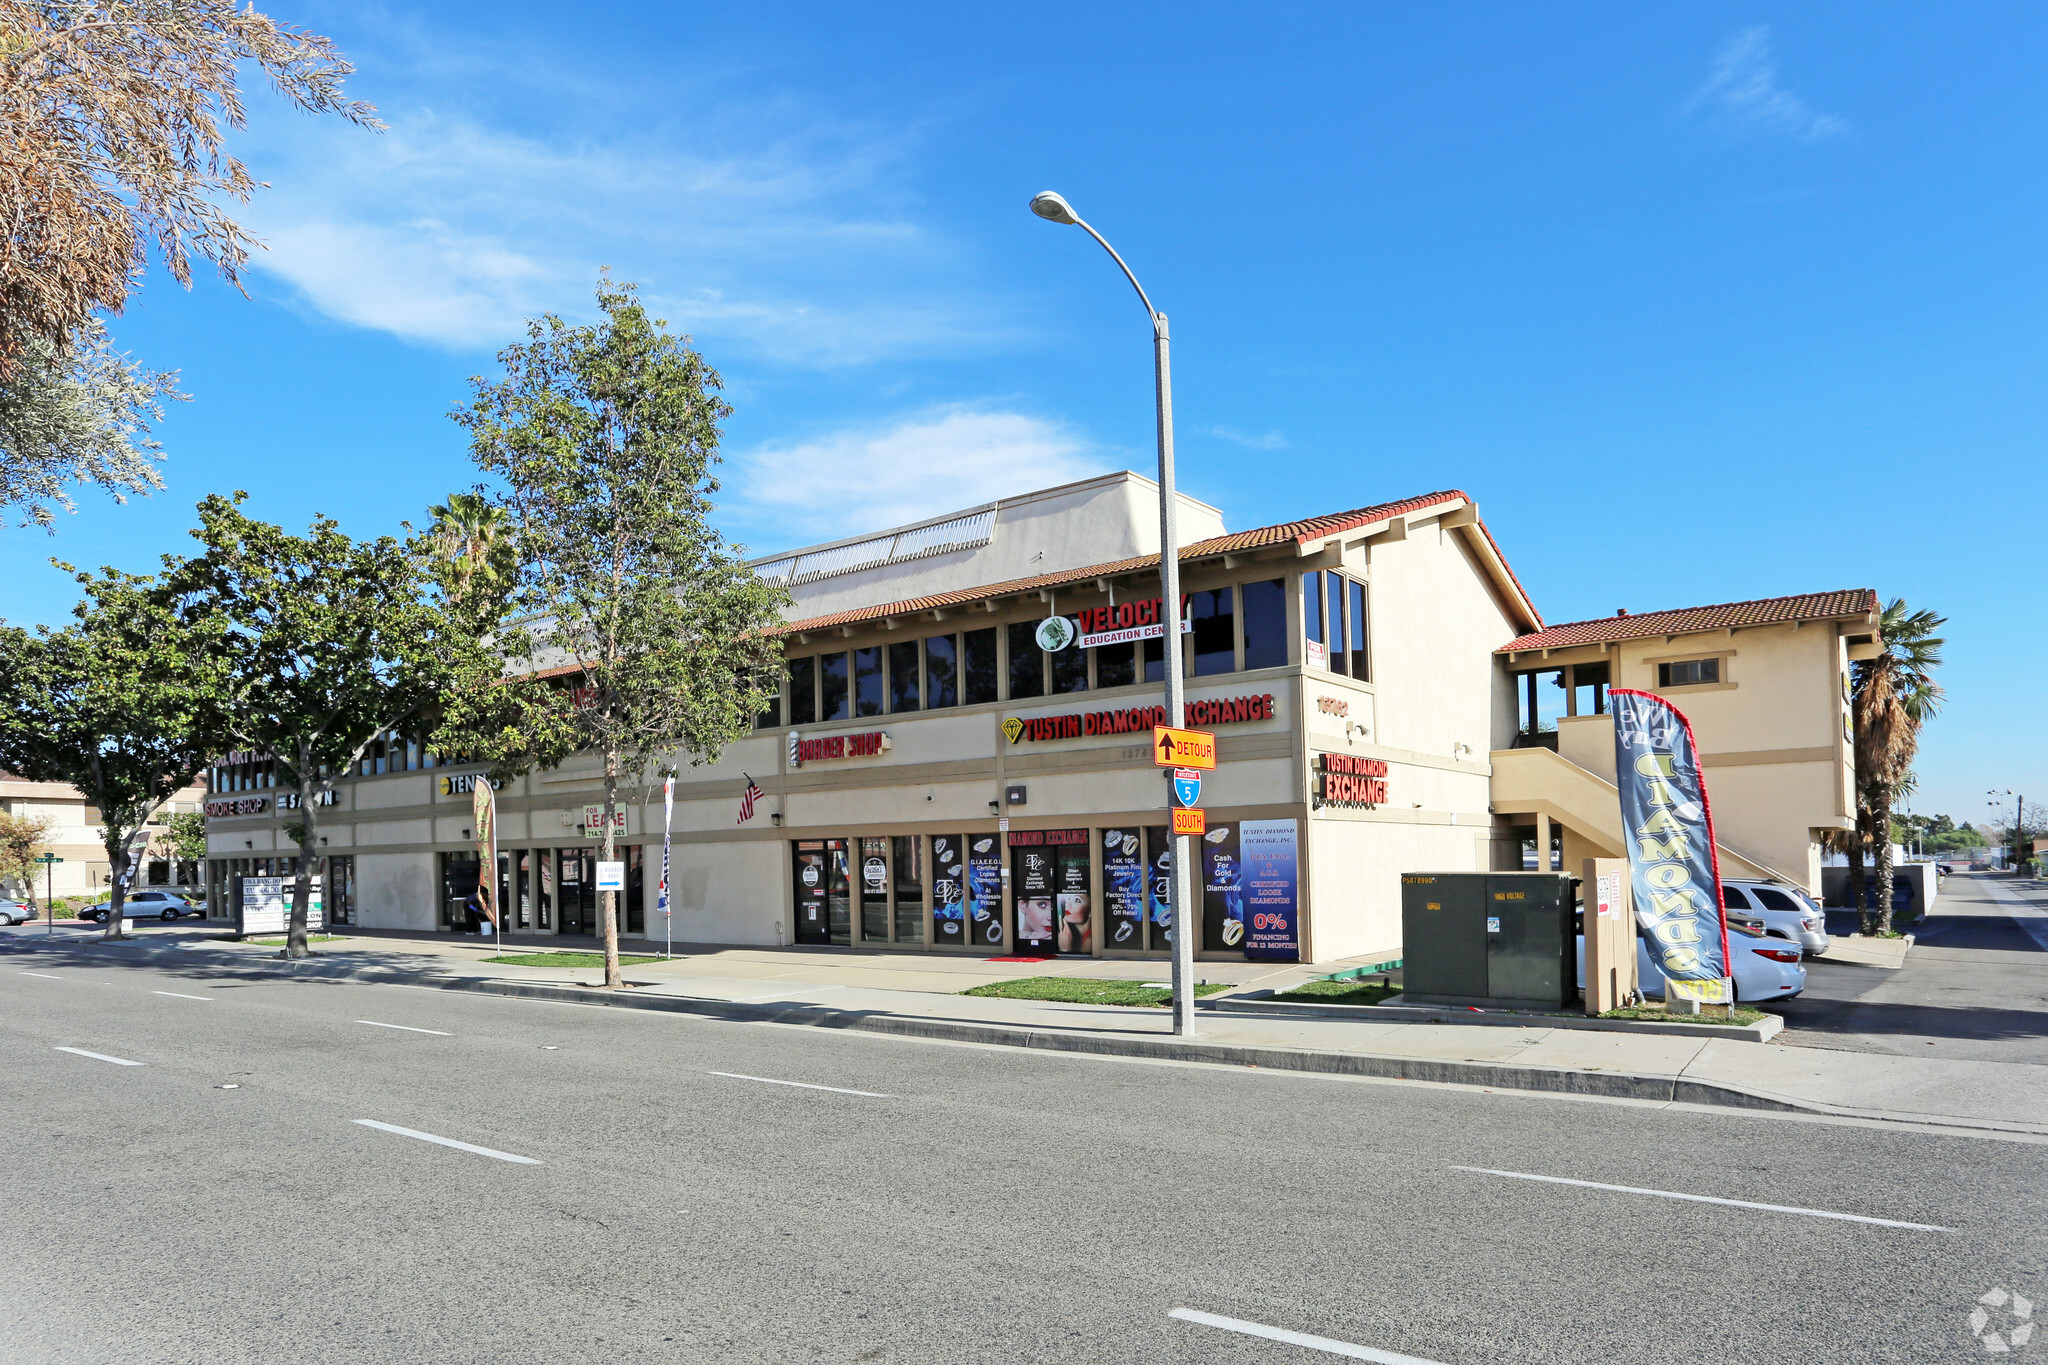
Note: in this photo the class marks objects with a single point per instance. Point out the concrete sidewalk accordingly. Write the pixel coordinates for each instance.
(917, 997)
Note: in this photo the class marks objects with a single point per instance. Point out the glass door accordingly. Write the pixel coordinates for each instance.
(907, 878)
(808, 880)
(874, 890)
(578, 900)
(838, 892)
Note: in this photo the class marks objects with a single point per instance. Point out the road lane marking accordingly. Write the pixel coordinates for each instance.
(1706, 1199)
(99, 1056)
(448, 1142)
(801, 1085)
(44, 975)
(407, 1027)
(180, 995)
(2024, 914)
(1328, 1345)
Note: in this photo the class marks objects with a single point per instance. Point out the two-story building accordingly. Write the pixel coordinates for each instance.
(936, 779)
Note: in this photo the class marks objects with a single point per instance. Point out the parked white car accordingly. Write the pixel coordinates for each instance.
(147, 904)
(1787, 912)
(1764, 967)
(13, 912)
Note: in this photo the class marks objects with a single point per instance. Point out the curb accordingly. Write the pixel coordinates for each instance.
(1762, 1031)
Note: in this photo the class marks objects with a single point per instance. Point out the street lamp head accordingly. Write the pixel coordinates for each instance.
(1053, 209)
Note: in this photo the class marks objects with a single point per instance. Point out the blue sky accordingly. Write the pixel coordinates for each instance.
(1700, 303)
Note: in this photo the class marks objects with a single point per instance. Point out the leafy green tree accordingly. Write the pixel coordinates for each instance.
(116, 705)
(24, 839)
(322, 643)
(654, 631)
(1894, 695)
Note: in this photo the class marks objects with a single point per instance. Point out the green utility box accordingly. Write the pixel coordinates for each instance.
(1498, 940)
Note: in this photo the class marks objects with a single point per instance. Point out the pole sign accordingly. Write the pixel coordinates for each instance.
(1187, 786)
(1669, 830)
(1173, 748)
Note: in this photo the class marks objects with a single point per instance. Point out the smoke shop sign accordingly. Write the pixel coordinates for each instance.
(1349, 780)
(240, 805)
(1136, 720)
(870, 745)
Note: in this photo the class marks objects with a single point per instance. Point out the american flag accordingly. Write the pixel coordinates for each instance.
(753, 794)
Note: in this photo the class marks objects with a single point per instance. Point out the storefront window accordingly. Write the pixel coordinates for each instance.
(544, 893)
(906, 862)
(941, 672)
(1116, 665)
(803, 691)
(459, 872)
(903, 676)
(1358, 633)
(1027, 661)
(978, 672)
(867, 681)
(1123, 890)
(1340, 662)
(1034, 873)
(833, 701)
(1265, 623)
(1070, 665)
(949, 891)
(1215, 634)
(338, 894)
(634, 901)
(1158, 888)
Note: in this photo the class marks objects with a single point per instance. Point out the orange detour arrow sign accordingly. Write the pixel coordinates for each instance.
(1173, 748)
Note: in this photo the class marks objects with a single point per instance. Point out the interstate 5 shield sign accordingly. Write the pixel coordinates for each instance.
(1187, 787)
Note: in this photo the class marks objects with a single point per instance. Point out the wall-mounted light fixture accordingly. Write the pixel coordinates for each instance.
(248, 843)
(775, 818)
(994, 806)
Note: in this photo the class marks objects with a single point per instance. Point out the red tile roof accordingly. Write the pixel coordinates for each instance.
(1238, 542)
(1813, 606)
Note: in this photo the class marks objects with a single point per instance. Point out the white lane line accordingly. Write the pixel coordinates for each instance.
(1328, 1345)
(801, 1085)
(44, 975)
(2024, 914)
(99, 1056)
(448, 1142)
(1706, 1199)
(180, 995)
(407, 1027)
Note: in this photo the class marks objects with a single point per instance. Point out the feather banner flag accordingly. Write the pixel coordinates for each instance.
(1669, 829)
(484, 807)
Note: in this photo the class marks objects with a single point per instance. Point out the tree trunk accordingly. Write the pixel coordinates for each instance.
(608, 901)
(117, 862)
(1858, 886)
(302, 885)
(1881, 818)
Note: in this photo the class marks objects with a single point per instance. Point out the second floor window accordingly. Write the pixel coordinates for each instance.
(1688, 672)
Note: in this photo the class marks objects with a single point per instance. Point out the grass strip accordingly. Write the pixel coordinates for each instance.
(1081, 990)
(1737, 1017)
(1351, 992)
(566, 960)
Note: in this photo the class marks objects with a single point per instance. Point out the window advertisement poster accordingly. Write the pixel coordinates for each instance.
(949, 890)
(1123, 889)
(265, 906)
(1159, 884)
(1272, 882)
(985, 890)
(1222, 890)
(1073, 902)
(1034, 876)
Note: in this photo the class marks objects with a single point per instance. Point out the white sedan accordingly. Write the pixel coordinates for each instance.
(1764, 968)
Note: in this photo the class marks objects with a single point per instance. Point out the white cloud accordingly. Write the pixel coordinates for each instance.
(865, 479)
(1262, 440)
(776, 234)
(1743, 97)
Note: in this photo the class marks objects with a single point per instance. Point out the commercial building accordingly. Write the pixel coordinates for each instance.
(935, 779)
(76, 836)
(949, 770)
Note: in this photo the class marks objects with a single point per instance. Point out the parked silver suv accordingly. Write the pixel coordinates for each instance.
(1787, 912)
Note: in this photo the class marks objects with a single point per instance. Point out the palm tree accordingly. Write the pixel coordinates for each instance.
(1895, 693)
(472, 540)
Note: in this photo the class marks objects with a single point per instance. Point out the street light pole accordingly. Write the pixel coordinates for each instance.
(1054, 209)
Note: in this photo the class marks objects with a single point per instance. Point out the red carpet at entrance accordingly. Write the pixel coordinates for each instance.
(1019, 959)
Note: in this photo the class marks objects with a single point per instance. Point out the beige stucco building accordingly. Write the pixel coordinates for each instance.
(1765, 685)
(76, 837)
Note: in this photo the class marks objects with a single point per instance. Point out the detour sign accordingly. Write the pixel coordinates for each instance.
(1173, 748)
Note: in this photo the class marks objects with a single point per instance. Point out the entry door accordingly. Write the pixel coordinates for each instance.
(838, 892)
(578, 892)
(808, 877)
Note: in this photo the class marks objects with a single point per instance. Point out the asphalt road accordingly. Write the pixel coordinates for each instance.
(971, 1204)
(1975, 987)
